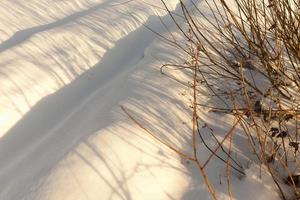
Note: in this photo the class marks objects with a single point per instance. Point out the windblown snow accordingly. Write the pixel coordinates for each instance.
(66, 67)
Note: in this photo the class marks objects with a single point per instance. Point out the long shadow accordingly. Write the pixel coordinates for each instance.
(42, 117)
(54, 125)
(23, 35)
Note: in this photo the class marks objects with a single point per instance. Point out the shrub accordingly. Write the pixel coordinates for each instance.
(253, 47)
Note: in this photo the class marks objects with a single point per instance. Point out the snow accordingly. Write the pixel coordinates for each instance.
(66, 67)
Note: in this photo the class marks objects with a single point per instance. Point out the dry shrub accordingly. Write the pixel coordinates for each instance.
(247, 54)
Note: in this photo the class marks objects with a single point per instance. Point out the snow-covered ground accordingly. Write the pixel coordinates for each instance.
(65, 69)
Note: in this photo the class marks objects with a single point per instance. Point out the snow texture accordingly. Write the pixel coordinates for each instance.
(66, 67)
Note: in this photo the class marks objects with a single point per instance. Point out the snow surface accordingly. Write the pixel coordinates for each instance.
(66, 67)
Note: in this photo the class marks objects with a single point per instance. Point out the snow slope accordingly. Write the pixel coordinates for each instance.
(66, 67)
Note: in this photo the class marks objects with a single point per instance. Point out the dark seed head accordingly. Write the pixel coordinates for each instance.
(274, 131)
(295, 145)
(257, 106)
(270, 159)
(282, 134)
(295, 178)
(288, 117)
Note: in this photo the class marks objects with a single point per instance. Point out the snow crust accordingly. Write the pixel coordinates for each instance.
(65, 69)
